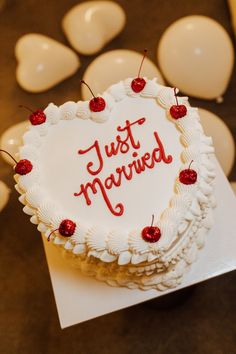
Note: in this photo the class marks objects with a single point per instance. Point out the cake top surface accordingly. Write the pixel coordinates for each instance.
(71, 146)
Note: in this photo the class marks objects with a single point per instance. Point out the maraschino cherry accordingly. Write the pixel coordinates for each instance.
(139, 83)
(178, 110)
(22, 167)
(151, 233)
(66, 228)
(188, 176)
(96, 104)
(36, 118)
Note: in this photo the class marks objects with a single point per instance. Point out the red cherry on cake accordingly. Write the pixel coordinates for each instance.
(188, 176)
(178, 110)
(139, 83)
(151, 233)
(36, 118)
(67, 228)
(96, 104)
(22, 167)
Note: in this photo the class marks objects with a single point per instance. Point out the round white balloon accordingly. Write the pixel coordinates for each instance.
(116, 65)
(196, 55)
(11, 139)
(4, 195)
(223, 140)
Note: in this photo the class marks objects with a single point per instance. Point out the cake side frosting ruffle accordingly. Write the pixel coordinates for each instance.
(153, 275)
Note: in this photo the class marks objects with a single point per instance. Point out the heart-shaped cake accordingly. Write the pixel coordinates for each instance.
(122, 183)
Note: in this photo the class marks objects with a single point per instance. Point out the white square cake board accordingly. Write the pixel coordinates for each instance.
(80, 298)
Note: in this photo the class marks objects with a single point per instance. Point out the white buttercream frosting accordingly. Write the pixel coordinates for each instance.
(121, 256)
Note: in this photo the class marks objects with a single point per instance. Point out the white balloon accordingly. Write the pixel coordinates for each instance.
(11, 139)
(91, 24)
(43, 62)
(196, 55)
(116, 65)
(223, 140)
(4, 195)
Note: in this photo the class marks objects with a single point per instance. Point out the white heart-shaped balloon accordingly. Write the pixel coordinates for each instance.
(11, 139)
(43, 62)
(90, 25)
(114, 66)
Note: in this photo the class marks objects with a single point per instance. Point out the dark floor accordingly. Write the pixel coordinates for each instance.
(203, 321)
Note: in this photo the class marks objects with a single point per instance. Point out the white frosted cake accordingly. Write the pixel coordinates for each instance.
(123, 183)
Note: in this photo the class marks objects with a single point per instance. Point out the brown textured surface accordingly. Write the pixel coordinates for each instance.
(203, 323)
